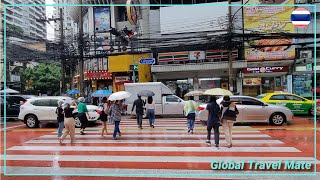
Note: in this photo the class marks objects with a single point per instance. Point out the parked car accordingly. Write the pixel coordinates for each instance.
(166, 102)
(253, 110)
(43, 110)
(13, 103)
(297, 104)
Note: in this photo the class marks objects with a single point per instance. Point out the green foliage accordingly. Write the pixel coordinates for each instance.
(44, 78)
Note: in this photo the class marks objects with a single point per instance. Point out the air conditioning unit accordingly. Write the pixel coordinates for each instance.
(305, 54)
(301, 1)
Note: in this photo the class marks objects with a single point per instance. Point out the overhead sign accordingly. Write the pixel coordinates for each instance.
(265, 69)
(197, 55)
(147, 61)
(300, 17)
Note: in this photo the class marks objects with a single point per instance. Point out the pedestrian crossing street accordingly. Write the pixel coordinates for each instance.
(164, 151)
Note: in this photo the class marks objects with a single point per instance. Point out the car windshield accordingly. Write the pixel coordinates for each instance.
(261, 96)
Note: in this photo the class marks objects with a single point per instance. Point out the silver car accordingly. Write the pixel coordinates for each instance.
(253, 110)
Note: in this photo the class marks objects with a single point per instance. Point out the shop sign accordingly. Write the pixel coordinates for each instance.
(98, 75)
(197, 55)
(265, 69)
(252, 81)
(121, 78)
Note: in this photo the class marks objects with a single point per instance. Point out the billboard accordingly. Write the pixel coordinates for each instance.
(266, 20)
(101, 19)
(186, 19)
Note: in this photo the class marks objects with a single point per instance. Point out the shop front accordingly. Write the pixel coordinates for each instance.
(99, 80)
(260, 80)
(121, 68)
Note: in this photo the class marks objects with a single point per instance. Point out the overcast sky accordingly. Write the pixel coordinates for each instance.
(49, 14)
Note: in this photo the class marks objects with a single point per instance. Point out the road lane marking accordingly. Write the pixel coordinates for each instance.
(12, 127)
(160, 149)
(158, 141)
(187, 159)
(165, 136)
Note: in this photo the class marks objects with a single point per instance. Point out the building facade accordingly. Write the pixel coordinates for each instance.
(26, 17)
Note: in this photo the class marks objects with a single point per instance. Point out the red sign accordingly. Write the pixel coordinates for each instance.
(98, 75)
(265, 69)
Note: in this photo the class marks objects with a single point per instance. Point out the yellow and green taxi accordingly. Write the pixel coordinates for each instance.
(297, 104)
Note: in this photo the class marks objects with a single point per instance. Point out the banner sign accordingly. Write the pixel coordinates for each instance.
(256, 70)
(197, 55)
(101, 19)
(97, 75)
(269, 19)
(252, 81)
(173, 56)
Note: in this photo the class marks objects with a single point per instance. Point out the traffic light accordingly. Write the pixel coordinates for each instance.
(134, 67)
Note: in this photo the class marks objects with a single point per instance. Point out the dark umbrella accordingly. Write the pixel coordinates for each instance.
(146, 93)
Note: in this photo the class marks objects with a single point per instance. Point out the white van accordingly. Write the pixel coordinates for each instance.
(165, 101)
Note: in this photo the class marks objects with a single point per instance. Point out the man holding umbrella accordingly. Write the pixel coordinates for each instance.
(138, 103)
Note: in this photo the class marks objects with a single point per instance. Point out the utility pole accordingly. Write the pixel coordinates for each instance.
(62, 83)
(81, 44)
(63, 63)
(230, 47)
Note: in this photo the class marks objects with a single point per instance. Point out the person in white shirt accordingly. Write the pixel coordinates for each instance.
(151, 111)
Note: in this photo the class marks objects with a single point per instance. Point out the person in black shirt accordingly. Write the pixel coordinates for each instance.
(138, 103)
(213, 120)
(60, 118)
(69, 123)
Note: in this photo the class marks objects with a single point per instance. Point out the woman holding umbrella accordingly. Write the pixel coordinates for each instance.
(115, 113)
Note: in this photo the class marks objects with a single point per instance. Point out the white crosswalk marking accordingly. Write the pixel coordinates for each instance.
(161, 151)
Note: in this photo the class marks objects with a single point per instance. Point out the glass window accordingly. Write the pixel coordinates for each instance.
(293, 98)
(41, 102)
(16, 99)
(261, 96)
(249, 101)
(277, 97)
(171, 99)
(54, 102)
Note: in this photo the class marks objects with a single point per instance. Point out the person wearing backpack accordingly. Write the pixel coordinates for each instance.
(104, 115)
(229, 114)
(190, 109)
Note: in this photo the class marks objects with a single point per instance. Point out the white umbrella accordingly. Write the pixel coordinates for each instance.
(218, 92)
(194, 93)
(119, 95)
(11, 91)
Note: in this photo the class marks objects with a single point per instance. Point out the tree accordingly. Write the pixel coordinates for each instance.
(44, 78)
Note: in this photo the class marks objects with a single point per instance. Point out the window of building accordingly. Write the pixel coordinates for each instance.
(277, 97)
(122, 13)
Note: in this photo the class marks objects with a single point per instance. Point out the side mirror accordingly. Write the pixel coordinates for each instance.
(21, 102)
(179, 100)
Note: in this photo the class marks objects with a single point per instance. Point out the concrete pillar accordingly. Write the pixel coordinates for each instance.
(196, 87)
(239, 85)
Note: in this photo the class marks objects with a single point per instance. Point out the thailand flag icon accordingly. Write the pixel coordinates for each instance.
(300, 17)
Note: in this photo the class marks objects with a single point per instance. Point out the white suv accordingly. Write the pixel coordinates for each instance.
(43, 110)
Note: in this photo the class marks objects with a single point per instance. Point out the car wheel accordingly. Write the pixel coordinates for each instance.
(77, 121)
(32, 121)
(277, 119)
